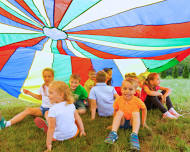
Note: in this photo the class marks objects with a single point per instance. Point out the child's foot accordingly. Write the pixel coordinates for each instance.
(2, 123)
(173, 112)
(169, 115)
(40, 123)
(112, 137)
(134, 141)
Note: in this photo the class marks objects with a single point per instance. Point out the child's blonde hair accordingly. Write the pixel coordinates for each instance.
(75, 77)
(131, 75)
(62, 87)
(132, 81)
(49, 70)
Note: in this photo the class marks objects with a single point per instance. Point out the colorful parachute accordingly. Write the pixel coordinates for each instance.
(73, 36)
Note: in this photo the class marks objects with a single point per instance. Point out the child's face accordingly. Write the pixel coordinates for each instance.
(109, 74)
(127, 90)
(92, 75)
(55, 96)
(48, 77)
(74, 83)
(155, 81)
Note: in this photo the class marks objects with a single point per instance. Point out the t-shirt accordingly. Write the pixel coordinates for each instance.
(80, 93)
(43, 91)
(127, 107)
(88, 85)
(104, 96)
(144, 94)
(65, 120)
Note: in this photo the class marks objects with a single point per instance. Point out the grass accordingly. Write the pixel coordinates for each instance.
(166, 135)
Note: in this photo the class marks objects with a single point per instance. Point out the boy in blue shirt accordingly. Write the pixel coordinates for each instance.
(102, 97)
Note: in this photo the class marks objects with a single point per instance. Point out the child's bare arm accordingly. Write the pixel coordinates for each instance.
(116, 96)
(79, 123)
(93, 108)
(51, 129)
(152, 93)
(36, 96)
(168, 91)
(144, 115)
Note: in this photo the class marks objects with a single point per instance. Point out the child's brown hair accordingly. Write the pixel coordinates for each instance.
(62, 87)
(150, 77)
(75, 77)
(101, 76)
(48, 69)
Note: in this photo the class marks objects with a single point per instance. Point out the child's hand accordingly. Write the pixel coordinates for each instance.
(48, 148)
(92, 118)
(82, 133)
(147, 127)
(26, 91)
(109, 127)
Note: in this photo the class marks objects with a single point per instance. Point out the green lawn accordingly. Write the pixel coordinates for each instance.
(166, 135)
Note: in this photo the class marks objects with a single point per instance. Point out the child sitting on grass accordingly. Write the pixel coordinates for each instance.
(64, 121)
(154, 99)
(133, 76)
(79, 93)
(102, 97)
(48, 77)
(91, 81)
(127, 113)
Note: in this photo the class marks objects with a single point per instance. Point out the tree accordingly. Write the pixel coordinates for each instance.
(185, 72)
(163, 74)
(175, 72)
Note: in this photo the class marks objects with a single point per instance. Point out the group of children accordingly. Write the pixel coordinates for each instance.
(62, 104)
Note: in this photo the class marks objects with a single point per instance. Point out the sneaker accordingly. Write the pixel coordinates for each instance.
(134, 141)
(169, 115)
(173, 112)
(112, 137)
(2, 123)
(41, 123)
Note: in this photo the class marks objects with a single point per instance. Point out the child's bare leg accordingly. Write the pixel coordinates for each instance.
(135, 121)
(46, 116)
(117, 120)
(121, 123)
(28, 111)
(81, 111)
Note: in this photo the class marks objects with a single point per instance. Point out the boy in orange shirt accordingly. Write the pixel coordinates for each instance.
(127, 113)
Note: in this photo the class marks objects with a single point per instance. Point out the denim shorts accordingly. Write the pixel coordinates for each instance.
(79, 104)
(126, 125)
(43, 110)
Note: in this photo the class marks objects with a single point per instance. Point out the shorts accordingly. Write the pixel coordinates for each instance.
(126, 125)
(79, 104)
(43, 110)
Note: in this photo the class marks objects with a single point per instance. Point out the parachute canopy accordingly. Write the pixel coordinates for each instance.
(74, 36)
